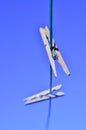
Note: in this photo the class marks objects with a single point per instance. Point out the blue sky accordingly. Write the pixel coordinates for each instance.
(24, 65)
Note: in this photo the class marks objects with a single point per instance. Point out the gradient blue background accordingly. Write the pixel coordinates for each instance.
(24, 65)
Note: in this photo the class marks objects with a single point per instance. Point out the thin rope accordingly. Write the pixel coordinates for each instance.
(49, 109)
(51, 17)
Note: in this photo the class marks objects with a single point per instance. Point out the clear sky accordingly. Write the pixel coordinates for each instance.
(24, 65)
